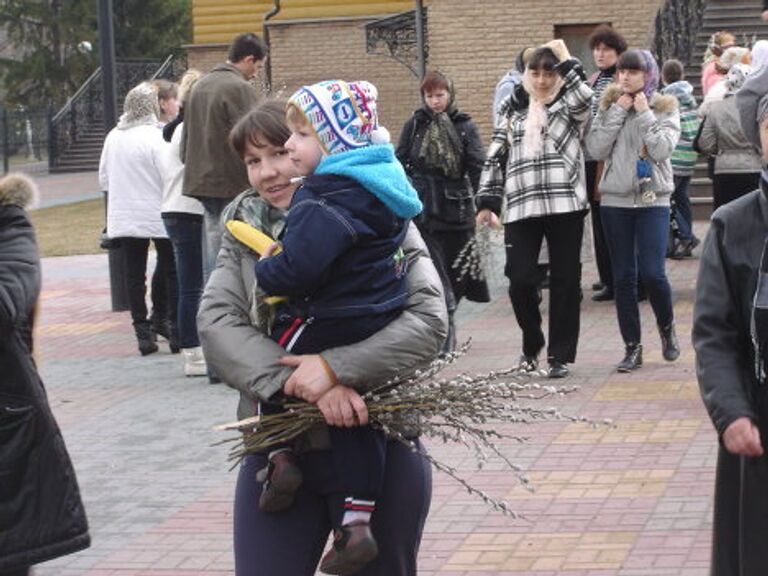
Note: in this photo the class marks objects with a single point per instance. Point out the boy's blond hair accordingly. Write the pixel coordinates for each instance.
(296, 117)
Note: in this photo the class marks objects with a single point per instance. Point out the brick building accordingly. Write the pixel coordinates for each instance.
(471, 41)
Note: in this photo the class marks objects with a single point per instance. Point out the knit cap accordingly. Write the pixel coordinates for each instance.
(342, 114)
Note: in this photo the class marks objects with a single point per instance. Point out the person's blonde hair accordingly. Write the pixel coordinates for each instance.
(295, 117)
(186, 83)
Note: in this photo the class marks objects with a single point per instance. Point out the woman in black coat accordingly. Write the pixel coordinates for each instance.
(41, 513)
(443, 155)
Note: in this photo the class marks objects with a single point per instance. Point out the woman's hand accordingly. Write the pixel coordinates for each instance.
(311, 378)
(743, 438)
(344, 407)
(271, 250)
(626, 101)
(641, 103)
(487, 218)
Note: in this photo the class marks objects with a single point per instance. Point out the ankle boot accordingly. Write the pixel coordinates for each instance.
(670, 349)
(145, 338)
(450, 341)
(633, 358)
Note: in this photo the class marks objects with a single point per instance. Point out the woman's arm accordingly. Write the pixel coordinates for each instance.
(19, 271)
(707, 141)
(403, 150)
(238, 352)
(490, 193)
(578, 93)
(660, 134)
(474, 154)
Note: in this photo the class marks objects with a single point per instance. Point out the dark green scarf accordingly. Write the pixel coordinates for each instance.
(441, 149)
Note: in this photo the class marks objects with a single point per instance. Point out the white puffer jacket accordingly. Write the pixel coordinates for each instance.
(130, 170)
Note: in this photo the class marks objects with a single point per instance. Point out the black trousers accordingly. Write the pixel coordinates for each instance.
(728, 187)
(164, 289)
(602, 256)
(523, 242)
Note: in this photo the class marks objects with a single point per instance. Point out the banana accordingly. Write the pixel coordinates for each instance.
(255, 239)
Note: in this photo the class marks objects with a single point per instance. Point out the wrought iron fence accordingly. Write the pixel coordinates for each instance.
(83, 114)
(24, 139)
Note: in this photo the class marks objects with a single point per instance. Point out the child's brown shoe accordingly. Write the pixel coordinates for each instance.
(283, 480)
(353, 547)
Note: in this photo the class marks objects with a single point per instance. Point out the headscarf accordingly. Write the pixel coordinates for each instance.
(441, 149)
(651, 69)
(537, 121)
(736, 77)
(140, 107)
(759, 54)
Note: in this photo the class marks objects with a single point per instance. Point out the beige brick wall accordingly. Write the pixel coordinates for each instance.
(307, 53)
(475, 42)
(472, 41)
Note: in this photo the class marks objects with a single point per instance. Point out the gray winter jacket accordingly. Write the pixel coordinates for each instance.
(247, 359)
(617, 136)
(722, 137)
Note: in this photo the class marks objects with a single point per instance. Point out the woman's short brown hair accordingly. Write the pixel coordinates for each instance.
(264, 124)
(605, 34)
(435, 80)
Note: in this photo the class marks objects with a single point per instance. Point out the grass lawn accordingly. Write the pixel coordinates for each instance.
(69, 229)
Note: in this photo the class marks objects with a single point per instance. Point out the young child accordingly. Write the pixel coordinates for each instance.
(684, 157)
(343, 269)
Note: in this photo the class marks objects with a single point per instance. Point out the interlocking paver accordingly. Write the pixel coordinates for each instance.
(629, 500)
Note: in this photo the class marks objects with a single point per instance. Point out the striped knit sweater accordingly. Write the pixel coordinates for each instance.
(684, 157)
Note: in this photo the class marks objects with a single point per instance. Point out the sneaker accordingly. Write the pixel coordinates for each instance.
(353, 547)
(283, 480)
(528, 363)
(557, 369)
(685, 249)
(194, 362)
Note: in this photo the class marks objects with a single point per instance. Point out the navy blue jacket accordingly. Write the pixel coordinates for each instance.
(341, 253)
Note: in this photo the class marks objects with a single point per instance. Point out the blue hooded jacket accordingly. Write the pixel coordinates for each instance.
(341, 242)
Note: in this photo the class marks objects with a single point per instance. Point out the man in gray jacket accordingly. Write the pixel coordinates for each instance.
(213, 172)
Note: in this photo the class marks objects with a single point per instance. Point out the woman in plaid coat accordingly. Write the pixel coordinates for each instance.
(535, 166)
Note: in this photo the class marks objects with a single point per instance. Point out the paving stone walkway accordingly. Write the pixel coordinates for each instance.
(631, 500)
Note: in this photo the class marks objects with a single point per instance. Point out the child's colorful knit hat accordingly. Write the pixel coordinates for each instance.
(342, 114)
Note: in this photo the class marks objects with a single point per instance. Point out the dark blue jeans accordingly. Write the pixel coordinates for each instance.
(212, 232)
(638, 237)
(186, 234)
(683, 207)
(291, 542)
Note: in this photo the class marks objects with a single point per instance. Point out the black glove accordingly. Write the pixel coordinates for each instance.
(571, 64)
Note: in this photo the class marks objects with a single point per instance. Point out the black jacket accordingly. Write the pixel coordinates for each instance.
(725, 366)
(41, 513)
(448, 203)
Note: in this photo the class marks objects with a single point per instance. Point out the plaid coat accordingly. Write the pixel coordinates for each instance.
(553, 182)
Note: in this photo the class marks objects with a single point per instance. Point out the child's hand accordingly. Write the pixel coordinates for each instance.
(271, 249)
(626, 101)
(641, 103)
(487, 218)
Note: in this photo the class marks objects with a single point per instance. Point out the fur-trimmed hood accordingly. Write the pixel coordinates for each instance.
(18, 189)
(661, 103)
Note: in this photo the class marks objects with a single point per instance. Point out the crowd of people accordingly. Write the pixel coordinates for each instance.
(360, 283)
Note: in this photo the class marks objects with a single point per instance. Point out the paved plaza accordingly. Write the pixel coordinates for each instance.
(632, 500)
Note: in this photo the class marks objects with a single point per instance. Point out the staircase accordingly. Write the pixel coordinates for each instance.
(742, 18)
(77, 131)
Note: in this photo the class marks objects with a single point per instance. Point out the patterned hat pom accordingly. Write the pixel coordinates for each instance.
(380, 136)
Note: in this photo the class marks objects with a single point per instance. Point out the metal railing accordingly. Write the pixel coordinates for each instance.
(82, 115)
